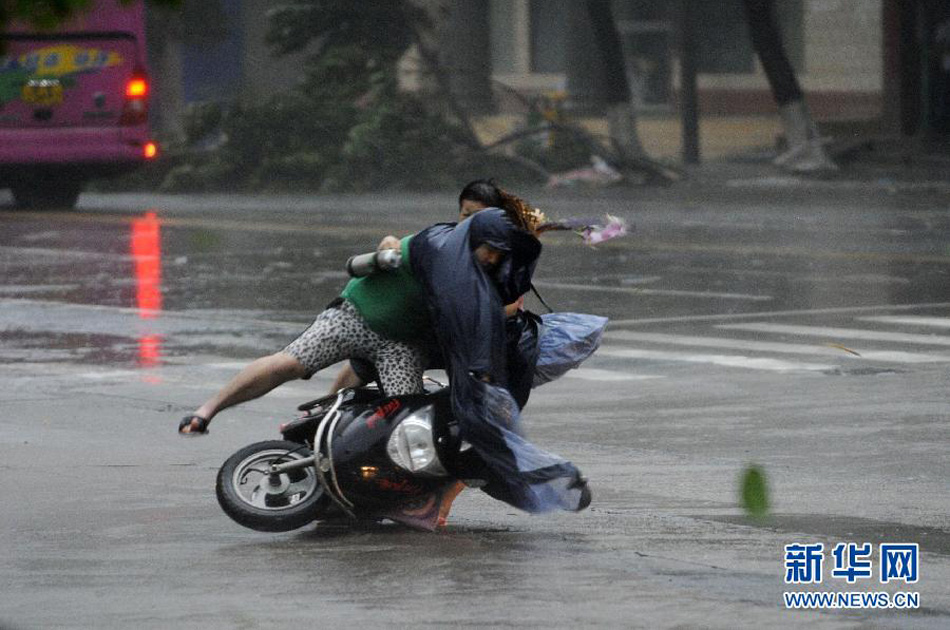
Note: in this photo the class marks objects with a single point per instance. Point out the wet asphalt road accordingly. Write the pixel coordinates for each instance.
(756, 320)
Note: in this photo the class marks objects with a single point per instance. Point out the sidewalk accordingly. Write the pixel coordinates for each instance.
(744, 146)
(661, 135)
(720, 136)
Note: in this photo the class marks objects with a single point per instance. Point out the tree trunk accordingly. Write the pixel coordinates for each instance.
(416, 63)
(621, 112)
(805, 152)
(427, 41)
(164, 50)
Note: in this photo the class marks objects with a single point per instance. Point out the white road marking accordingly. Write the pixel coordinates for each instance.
(593, 374)
(165, 315)
(882, 308)
(39, 288)
(793, 276)
(667, 292)
(62, 254)
(910, 320)
(725, 360)
(840, 333)
(121, 375)
(781, 348)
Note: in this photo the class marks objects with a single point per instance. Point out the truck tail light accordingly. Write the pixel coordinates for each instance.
(137, 87)
(135, 108)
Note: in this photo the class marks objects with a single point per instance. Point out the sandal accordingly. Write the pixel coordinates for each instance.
(586, 494)
(189, 422)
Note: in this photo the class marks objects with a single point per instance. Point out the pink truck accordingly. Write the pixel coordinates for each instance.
(73, 103)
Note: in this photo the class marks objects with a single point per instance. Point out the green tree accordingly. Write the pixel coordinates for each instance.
(48, 14)
(382, 29)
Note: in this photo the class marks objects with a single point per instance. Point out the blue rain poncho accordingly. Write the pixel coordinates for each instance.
(566, 341)
(466, 306)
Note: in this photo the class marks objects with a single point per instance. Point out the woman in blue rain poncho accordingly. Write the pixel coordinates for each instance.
(469, 271)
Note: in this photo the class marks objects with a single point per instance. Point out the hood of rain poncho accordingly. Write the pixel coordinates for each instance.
(466, 305)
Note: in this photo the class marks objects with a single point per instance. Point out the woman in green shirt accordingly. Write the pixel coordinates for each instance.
(381, 319)
(375, 319)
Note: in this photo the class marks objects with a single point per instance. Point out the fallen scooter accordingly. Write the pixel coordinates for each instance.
(358, 454)
(355, 454)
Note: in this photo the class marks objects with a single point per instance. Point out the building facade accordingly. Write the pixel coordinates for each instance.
(856, 60)
(835, 46)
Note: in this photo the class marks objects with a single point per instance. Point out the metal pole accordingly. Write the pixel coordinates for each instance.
(689, 104)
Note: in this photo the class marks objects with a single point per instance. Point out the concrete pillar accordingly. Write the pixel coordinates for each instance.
(902, 104)
(586, 82)
(165, 69)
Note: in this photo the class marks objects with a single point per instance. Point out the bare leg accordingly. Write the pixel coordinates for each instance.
(255, 380)
(345, 378)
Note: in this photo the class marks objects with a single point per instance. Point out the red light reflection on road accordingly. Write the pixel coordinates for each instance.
(147, 254)
(150, 350)
(146, 247)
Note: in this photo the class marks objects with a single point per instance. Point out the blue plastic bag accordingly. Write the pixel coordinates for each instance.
(567, 340)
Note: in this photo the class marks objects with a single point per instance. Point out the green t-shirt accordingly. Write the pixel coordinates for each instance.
(392, 302)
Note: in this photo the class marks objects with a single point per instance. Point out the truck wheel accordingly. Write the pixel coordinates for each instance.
(52, 194)
(254, 499)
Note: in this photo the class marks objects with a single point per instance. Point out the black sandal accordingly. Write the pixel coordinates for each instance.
(187, 421)
(586, 494)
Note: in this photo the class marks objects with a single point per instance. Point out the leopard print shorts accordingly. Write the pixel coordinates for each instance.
(340, 332)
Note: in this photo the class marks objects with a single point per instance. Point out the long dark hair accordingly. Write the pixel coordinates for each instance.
(489, 193)
(484, 191)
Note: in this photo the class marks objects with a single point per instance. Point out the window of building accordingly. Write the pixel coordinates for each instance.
(531, 37)
(648, 36)
(648, 30)
(724, 45)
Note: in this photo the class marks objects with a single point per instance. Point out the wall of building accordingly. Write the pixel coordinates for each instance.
(841, 71)
(843, 44)
(837, 46)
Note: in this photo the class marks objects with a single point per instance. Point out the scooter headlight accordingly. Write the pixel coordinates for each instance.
(412, 447)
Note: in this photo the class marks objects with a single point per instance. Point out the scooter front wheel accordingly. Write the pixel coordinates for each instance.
(265, 502)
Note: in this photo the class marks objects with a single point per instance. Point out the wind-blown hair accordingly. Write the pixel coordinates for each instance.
(520, 212)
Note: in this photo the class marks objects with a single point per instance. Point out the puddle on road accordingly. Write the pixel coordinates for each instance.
(19, 346)
(848, 528)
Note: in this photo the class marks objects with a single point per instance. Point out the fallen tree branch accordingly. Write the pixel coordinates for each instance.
(657, 172)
